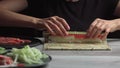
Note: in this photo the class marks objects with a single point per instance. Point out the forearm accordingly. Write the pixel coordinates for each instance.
(9, 18)
(55, 25)
(13, 5)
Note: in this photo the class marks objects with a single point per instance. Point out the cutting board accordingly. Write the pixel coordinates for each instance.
(75, 41)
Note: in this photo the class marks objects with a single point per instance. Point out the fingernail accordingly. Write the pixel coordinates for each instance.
(68, 28)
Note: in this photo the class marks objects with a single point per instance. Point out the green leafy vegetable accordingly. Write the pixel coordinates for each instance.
(2, 50)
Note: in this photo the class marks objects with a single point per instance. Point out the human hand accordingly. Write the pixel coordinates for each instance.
(100, 28)
(54, 25)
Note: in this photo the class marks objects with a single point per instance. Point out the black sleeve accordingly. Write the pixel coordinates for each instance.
(112, 4)
(109, 6)
(36, 8)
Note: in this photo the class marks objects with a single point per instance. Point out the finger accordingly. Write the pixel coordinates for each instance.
(102, 31)
(106, 33)
(64, 32)
(49, 29)
(104, 36)
(65, 24)
(98, 31)
(55, 28)
(100, 27)
(93, 33)
(101, 36)
(91, 28)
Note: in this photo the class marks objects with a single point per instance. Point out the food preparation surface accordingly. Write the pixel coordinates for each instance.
(86, 59)
(85, 62)
(76, 46)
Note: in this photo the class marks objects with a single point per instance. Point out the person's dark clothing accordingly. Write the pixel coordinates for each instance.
(79, 15)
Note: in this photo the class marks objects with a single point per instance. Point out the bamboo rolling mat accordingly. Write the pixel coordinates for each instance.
(71, 43)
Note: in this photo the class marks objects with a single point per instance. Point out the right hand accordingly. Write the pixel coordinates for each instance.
(54, 25)
(102, 28)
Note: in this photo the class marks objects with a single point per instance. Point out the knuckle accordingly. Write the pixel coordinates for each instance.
(92, 25)
(52, 18)
(56, 16)
(98, 19)
(62, 19)
(48, 21)
(97, 26)
(107, 30)
(53, 25)
(100, 28)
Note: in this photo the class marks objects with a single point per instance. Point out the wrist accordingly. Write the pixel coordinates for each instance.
(117, 21)
(38, 24)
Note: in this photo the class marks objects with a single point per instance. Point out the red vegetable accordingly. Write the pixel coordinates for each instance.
(79, 36)
(20, 65)
(5, 60)
(82, 36)
(13, 41)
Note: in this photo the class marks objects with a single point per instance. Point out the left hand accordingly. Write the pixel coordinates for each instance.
(100, 28)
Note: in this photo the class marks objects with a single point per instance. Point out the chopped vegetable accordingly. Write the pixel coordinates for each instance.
(2, 50)
(28, 55)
